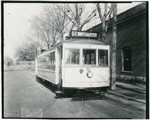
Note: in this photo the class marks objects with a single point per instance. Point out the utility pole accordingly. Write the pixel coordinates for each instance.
(113, 48)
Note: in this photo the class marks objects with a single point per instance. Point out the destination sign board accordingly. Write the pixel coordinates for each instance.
(82, 34)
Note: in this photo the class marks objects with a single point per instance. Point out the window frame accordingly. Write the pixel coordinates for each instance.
(66, 64)
(91, 65)
(81, 61)
(108, 58)
(43, 64)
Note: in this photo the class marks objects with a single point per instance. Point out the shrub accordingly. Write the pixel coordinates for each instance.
(131, 79)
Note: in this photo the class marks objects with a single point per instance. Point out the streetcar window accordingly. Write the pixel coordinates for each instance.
(103, 57)
(47, 62)
(52, 61)
(72, 56)
(89, 57)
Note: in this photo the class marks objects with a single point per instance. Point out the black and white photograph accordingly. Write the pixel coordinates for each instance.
(75, 59)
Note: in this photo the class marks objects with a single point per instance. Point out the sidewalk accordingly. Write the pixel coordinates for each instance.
(139, 88)
(136, 92)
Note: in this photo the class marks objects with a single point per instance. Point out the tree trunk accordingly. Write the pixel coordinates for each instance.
(113, 48)
(103, 29)
(103, 36)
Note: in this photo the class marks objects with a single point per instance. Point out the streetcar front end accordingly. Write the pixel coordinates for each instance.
(85, 66)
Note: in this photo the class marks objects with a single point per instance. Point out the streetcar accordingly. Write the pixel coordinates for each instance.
(81, 62)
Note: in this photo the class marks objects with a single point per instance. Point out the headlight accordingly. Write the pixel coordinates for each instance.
(81, 71)
(89, 74)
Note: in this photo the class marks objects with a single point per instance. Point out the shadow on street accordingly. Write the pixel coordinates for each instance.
(75, 96)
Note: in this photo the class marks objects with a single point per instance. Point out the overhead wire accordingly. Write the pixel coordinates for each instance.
(19, 17)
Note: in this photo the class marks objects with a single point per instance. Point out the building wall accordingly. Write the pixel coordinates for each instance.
(130, 32)
(133, 33)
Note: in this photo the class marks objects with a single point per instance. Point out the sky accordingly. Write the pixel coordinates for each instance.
(17, 23)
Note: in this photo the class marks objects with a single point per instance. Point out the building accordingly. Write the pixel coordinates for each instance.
(132, 41)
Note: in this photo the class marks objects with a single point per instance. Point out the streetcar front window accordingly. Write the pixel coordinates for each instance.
(72, 56)
(89, 57)
(103, 57)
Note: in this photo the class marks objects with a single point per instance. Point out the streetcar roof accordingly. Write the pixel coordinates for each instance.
(76, 41)
(81, 41)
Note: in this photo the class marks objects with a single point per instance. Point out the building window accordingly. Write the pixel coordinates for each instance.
(126, 59)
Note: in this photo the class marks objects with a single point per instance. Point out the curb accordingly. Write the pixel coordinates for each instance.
(126, 97)
(131, 89)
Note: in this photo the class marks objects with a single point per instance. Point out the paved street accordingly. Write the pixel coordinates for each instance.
(25, 97)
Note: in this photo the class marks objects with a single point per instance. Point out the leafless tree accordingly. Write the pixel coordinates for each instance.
(26, 52)
(41, 30)
(32, 38)
(75, 13)
(113, 48)
(105, 12)
(50, 24)
(109, 10)
(57, 20)
(8, 61)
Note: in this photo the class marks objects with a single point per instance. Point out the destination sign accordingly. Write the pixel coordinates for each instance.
(83, 34)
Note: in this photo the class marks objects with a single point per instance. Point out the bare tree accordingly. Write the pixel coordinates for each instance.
(26, 52)
(75, 15)
(41, 30)
(104, 16)
(8, 61)
(56, 19)
(49, 25)
(32, 38)
(113, 46)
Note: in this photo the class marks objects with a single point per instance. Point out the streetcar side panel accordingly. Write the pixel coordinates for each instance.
(58, 64)
(46, 67)
(36, 66)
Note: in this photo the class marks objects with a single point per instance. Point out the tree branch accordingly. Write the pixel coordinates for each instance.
(99, 11)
